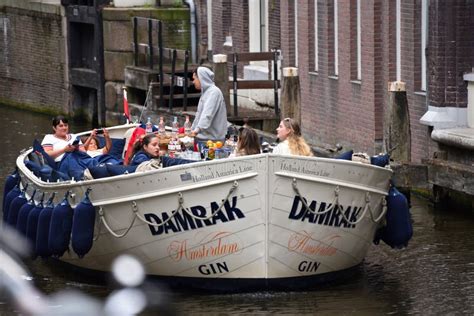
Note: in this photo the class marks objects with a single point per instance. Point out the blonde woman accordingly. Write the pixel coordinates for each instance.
(291, 141)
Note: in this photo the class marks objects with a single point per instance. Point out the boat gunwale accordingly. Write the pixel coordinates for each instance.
(73, 183)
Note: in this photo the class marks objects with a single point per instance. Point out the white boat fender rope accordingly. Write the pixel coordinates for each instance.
(367, 206)
(104, 221)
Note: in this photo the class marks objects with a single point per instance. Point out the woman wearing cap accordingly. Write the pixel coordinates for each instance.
(291, 141)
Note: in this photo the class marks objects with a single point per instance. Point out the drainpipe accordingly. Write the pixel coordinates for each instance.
(192, 8)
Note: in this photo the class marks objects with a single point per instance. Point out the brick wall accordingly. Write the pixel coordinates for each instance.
(288, 32)
(411, 74)
(341, 109)
(274, 29)
(32, 62)
(451, 51)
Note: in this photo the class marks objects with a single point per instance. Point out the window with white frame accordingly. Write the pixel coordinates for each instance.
(424, 33)
(336, 39)
(398, 41)
(258, 21)
(209, 24)
(316, 33)
(359, 48)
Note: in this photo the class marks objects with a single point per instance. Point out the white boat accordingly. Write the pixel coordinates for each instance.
(261, 221)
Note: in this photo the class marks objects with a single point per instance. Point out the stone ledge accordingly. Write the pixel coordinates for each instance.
(469, 77)
(444, 117)
(43, 6)
(457, 137)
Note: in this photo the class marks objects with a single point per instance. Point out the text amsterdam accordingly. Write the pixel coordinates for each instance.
(332, 218)
(182, 221)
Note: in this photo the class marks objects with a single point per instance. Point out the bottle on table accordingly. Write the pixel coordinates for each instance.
(175, 128)
(187, 126)
(161, 126)
(148, 126)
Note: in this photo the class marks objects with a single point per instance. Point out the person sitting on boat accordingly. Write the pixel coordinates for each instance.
(145, 149)
(210, 122)
(291, 141)
(91, 144)
(61, 142)
(248, 142)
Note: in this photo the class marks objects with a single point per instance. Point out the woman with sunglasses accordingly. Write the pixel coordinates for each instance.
(291, 141)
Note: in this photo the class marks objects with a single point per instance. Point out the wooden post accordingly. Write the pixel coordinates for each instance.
(290, 94)
(221, 77)
(396, 124)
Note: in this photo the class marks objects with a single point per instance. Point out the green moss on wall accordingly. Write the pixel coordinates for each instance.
(37, 108)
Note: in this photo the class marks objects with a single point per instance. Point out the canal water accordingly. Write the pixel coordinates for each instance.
(434, 275)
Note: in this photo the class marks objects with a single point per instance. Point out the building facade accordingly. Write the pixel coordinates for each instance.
(348, 51)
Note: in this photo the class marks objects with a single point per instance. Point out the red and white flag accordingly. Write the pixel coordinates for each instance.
(126, 111)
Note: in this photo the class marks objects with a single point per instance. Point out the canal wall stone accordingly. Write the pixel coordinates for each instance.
(118, 45)
(33, 65)
(33, 52)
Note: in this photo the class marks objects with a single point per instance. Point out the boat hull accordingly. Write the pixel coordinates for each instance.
(263, 220)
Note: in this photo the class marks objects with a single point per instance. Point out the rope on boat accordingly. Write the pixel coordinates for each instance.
(185, 209)
(98, 232)
(307, 208)
(181, 203)
(135, 211)
(335, 203)
(104, 221)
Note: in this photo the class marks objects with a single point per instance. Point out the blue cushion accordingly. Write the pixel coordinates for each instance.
(115, 170)
(168, 161)
(49, 174)
(380, 160)
(346, 155)
(117, 146)
(99, 171)
(34, 167)
(106, 170)
(47, 158)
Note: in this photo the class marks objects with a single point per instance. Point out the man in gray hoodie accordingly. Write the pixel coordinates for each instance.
(210, 122)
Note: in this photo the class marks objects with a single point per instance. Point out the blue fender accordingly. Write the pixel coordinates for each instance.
(15, 206)
(10, 183)
(398, 229)
(7, 201)
(60, 227)
(23, 214)
(42, 233)
(83, 221)
(32, 223)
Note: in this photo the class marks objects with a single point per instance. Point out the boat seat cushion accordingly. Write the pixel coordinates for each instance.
(36, 157)
(168, 161)
(346, 155)
(47, 158)
(107, 170)
(33, 166)
(45, 172)
(117, 146)
(115, 170)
